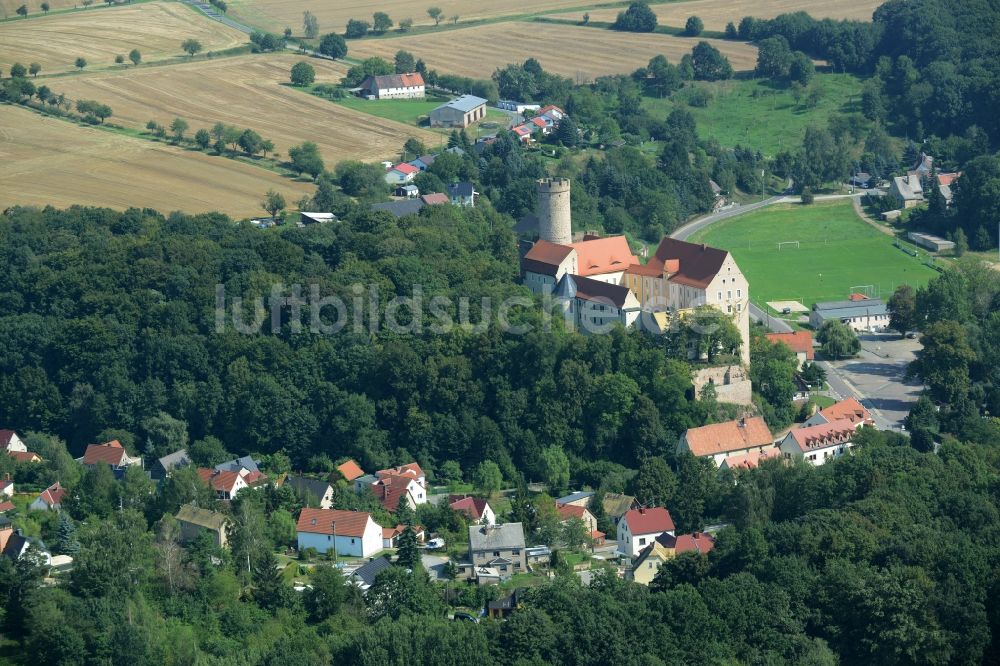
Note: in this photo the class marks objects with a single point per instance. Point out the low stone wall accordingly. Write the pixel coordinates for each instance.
(732, 383)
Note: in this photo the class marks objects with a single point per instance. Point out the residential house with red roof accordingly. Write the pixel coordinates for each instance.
(800, 342)
(749, 460)
(350, 470)
(401, 174)
(404, 481)
(664, 548)
(9, 441)
(393, 86)
(25, 456)
(228, 483)
(352, 533)
(570, 511)
(476, 509)
(111, 453)
(719, 441)
(390, 535)
(848, 408)
(639, 527)
(50, 499)
(7, 487)
(818, 444)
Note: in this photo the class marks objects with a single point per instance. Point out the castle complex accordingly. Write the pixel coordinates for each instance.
(600, 280)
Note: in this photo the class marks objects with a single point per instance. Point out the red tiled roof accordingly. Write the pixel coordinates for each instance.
(649, 521)
(321, 521)
(387, 81)
(697, 263)
(24, 456)
(522, 130)
(540, 122)
(857, 297)
(409, 470)
(849, 409)
(6, 506)
(603, 255)
(434, 198)
(405, 168)
(350, 470)
(111, 453)
(544, 257)
(53, 495)
(567, 511)
(699, 542)
(390, 489)
(751, 459)
(5, 483)
(219, 480)
(470, 506)
(649, 270)
(718, 438)
(800, 342)
(5, 437)
(947, 179)
(824, 434)
(550, 107)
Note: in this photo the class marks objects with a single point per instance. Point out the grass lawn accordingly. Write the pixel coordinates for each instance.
(406, 111)
(822, 401)
(837, 251)
(757, 114)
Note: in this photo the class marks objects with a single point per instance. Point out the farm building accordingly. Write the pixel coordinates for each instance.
(315, 218)
(866, 314)
(930, 241)
(393, 86)
(459, 112)
(907, 191)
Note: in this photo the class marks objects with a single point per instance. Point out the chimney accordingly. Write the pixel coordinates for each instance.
(642, 510)
(703, 247)
(743, 422)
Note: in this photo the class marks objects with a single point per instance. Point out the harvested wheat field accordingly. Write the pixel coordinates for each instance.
(50, 161)
(715, 14)
(275, 15)
(246, 91)
(9, 7)
(581, 53)
(155, 28)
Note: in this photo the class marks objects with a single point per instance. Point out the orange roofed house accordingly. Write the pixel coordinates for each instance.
(109, 453)
(800, 342)
(350, 470)
(393, 86)
(569, 511)
(818, 444)
(406, 482)
(227, 483)
(352, 533)
(719, 441)
(849, 409)
(667, 547)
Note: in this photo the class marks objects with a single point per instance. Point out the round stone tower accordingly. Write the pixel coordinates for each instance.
(554, 222)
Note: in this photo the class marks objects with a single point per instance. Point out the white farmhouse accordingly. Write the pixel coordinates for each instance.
(351, 533)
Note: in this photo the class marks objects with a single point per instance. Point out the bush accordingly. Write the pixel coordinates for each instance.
(807, 196)
(699, 97)
(356, 29)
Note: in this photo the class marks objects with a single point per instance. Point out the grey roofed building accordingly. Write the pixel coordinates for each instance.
(464, 103)
(496, 537)
(870, 312)
(193, 520)
(168, 463)
(366, 573)
(582, 495)
(463, 189)
(455, 150)
(576, 286)
(235, 465)
(400, 208)
(308, 487)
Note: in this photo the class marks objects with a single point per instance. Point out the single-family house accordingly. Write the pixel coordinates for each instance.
(364, 576)
(393, 86)
(238, 464)
(523, 132)
(316, 492)
(390, 535)
(162, 468)
(401, 174)
(110, 453)
(639, 527)
(719, 441)
(667, 547)
(25, 456)
(800, 342)
(194, 520)
(407, 191)
(459, 112)
(617, 505)
(907, 191)
(818, 444)
(476, 509)
(923, 166)
(227, 484)
(6, 487)
(350, 470)
(390, 490)
(594, 306)
(423, 162)
(50, 499)
(462, 194)
(579, 498)
(863, 315)
(499, 547)
(13, 544)
(352, 533)
(9, 441)
(569, 512)
(551, 111)
(848, 408)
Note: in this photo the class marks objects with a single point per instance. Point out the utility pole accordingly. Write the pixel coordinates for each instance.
(335, 543)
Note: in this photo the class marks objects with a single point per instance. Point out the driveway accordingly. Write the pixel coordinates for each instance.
(434, 564)
(876, 378)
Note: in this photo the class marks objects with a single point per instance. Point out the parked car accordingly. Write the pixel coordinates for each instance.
(466, 617)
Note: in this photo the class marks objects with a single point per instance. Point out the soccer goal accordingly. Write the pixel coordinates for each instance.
(794, 244)
(868, 290)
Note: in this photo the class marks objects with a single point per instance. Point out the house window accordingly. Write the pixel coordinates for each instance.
(515, 552)
(496, 553)
(642, 541)
(729, 294)
(737, 293)
(729, 309)
(352, 540)
(720, 296)
(328, 537)
(739, 307)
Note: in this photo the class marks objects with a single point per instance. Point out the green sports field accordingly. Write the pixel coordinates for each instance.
(837, 251)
